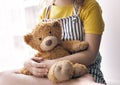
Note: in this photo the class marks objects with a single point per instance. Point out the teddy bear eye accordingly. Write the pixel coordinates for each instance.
(40, 38)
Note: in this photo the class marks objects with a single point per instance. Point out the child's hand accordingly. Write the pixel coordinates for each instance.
(48, 63)
(36, 67)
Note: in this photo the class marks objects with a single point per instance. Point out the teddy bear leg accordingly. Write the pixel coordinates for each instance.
(61, 71)
(79, 70)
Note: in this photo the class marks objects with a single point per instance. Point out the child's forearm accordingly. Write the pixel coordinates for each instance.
(84, 57)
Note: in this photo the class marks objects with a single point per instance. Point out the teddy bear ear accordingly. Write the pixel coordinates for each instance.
(28, 38)
(56, 24)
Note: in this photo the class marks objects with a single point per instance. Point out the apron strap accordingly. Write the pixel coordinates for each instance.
(77, 6)
(47, 12)
(48, 9)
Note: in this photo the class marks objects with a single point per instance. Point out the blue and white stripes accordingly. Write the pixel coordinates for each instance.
(72, 28)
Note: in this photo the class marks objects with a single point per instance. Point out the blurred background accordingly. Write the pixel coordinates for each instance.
(18, 17)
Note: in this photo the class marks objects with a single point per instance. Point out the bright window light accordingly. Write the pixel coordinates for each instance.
(17, 17)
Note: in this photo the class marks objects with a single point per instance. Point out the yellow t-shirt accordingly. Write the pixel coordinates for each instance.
(90, 15)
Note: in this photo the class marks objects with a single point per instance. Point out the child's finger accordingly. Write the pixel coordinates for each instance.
(38, 65)
(39, 72)
(36, 59)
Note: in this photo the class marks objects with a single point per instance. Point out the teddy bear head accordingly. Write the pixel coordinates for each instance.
(45, 36)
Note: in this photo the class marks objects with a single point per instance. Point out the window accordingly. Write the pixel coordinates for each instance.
(17, 17)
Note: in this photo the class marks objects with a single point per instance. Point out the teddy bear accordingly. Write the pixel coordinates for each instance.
(46, 39)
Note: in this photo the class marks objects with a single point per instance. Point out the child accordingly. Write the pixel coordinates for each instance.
(81, 20)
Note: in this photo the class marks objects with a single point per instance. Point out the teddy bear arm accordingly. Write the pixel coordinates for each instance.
(75, 45)
(79, 70)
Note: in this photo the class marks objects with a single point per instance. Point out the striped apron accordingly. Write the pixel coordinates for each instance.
(72, 29)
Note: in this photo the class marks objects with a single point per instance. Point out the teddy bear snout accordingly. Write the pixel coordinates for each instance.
(48, 43)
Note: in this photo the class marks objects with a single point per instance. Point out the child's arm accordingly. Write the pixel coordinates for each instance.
(88, 56)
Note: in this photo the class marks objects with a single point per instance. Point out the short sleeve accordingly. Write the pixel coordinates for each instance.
(92, 20)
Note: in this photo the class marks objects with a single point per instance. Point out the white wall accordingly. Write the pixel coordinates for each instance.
(14, 23)
(110, 48)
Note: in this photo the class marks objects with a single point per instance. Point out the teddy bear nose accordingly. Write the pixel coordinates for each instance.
(48, 42)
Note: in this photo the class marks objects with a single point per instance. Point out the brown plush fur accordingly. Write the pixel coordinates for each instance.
(46, 39)
(65, 70)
